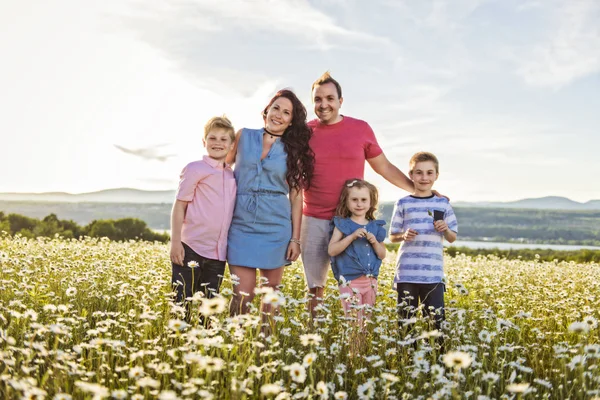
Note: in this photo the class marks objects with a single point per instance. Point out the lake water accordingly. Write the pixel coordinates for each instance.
(516, 246)
(471, 244)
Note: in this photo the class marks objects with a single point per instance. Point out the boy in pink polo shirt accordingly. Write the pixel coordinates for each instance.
(202, 214)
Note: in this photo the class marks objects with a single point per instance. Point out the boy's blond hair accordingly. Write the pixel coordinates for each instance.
(421, 157)
(219, 123)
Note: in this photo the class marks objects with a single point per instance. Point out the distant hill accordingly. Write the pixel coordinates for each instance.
(593, 205)
(541, 203)
(123, 195)
(126, 195)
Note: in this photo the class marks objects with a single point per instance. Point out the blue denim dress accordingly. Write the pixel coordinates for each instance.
(261, 227)
(359, 258)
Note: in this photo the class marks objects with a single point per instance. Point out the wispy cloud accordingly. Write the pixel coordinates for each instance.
(238, 45)
(490, 136)
(420, 97)
(293, 18)
(403, 123)
(147, 153)
(571, 52)
(229, 81)
(434, 35)
(538, 161)
(445, 15)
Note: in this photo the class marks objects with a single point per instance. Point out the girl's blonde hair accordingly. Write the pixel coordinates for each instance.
(342, 208)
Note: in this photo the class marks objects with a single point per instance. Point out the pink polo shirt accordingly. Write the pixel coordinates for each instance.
(340, 150)
(209, 187)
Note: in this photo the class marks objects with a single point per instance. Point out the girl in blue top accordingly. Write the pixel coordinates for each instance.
(356, 246)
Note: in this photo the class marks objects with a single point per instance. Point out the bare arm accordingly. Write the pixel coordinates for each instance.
(379, 247)
(441, 226)
(296, 198)
(177, 216)
(450, 236)
(380, 250)
(391, 173)
(233, 152)
(396, 238)
(407, 236)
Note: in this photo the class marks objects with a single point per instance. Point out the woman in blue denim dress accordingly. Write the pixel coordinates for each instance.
(272, 166)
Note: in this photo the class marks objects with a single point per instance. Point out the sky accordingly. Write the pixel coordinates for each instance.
(111, 94)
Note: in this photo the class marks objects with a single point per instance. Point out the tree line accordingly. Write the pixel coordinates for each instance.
(50, 226)
(133, 228)
(496, 224)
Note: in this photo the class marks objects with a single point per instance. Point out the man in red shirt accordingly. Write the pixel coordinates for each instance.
(341, 145)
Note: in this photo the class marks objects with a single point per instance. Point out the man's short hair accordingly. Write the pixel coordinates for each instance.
(220, 123)
(424, 156)
(326, 78)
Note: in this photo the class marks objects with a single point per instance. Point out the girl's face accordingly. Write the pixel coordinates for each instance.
(279, 115)
(359, 201)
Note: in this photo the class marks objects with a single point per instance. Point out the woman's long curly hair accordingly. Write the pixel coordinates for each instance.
(300, 157)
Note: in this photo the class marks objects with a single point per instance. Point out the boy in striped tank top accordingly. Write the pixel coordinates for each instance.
(421, 222)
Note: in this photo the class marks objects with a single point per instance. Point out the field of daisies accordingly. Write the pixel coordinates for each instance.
(94, 319)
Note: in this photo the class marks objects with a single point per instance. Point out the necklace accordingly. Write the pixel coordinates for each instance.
(272, 134)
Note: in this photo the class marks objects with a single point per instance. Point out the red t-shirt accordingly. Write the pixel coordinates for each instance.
(340, 153)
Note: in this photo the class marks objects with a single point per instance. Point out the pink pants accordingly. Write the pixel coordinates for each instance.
(362, 292)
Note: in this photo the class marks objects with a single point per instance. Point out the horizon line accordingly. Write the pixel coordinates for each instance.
(174, 190)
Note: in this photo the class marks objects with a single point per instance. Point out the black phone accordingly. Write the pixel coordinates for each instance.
(438, 215)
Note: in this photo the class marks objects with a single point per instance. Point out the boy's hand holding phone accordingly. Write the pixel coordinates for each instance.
(440, 225)
(438, 221)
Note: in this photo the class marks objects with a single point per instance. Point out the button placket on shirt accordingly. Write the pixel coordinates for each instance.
(224, 231)
(224, 191)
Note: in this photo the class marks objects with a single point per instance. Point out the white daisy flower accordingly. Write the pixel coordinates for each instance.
(322, 390)
(309, 359)
(457, 359)
(270, 389)
(297, 372)
(341, 395)
(310, 339)
(518, 387)
(215, 305)
(579, 327)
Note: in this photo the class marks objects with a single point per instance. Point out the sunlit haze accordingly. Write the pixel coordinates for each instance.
(99, 95)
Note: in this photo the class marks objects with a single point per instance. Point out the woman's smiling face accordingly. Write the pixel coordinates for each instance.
(279, 115)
